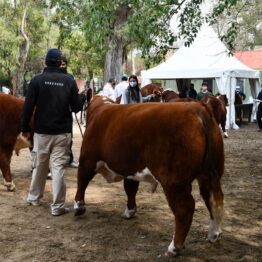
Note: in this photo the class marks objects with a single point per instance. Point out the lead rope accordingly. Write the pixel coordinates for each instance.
(79, 126)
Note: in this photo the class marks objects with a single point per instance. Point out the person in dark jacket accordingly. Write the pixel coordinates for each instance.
(52, 97)
(241, 93)
(259, 111)
(203, 92)
(64, 64)
(192, 93)
(71, 162)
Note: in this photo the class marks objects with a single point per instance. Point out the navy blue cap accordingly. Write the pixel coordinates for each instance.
(53, 55)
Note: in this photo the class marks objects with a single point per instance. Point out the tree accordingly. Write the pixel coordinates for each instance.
(112, 26)
(249, 27)
(22, 23)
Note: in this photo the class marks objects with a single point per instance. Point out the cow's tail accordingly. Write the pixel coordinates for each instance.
(213, 165)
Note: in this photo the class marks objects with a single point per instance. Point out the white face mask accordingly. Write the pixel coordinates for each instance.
(133, 84)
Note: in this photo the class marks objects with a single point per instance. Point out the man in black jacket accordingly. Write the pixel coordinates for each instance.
(52, 96)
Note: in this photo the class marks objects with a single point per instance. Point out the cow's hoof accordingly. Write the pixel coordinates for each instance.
(79, 207)
(225, 135)
(129, 213)
(10, 186)
(172, 250)
(214, 237)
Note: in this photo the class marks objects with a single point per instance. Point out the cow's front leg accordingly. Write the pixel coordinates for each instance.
(5, 160)
(84, 176)
(131, 188)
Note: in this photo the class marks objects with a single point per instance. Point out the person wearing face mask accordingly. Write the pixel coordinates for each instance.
(204, 92)
(63, 66)
(132, 94)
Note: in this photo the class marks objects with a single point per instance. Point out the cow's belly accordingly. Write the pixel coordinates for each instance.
(111, 176)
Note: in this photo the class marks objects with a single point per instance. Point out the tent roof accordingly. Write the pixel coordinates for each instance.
(206, 57)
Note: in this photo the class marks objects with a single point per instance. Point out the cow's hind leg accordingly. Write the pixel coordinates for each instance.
(182, 204)
(131, 187)
(213, 197)
(5, 160)
(84, 176)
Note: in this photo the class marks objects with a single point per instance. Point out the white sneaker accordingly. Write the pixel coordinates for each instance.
(33, 202)
(74, 164)
(61, 212)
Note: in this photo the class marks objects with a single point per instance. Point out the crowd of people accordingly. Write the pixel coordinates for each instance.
(126, 92)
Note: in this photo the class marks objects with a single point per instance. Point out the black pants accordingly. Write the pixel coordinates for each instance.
(259, 116)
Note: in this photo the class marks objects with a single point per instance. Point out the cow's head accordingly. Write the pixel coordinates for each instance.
(168, 94)
(152, 89)
(223, 98)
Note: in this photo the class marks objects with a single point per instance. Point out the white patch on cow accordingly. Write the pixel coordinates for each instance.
(146, 176)
(78, 204)
(9, 185)
(129, 213)
(171, 248)
(21, 142)
(214, 227)
(110, 176)
(225, 135)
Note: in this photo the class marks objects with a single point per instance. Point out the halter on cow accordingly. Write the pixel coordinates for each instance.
(167, 143)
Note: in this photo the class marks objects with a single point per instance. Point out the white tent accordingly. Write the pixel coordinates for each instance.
(207, 57)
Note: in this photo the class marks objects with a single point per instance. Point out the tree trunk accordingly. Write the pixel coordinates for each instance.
(24, 48)
(115, 57)
(114, 61)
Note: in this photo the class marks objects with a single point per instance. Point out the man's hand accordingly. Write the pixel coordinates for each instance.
(26, 134)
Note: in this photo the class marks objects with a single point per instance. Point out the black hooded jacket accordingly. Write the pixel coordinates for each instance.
(54, 96)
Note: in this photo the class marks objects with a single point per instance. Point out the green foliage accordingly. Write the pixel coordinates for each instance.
(84, 29)
(144, 25)
(241, 25)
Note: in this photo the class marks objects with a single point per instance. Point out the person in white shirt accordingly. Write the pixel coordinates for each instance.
(121, 87)
(108, 89)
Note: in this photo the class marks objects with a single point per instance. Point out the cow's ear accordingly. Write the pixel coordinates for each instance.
(89, 94)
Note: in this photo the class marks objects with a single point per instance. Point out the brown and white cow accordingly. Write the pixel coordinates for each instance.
(167, 143)
(10, 138)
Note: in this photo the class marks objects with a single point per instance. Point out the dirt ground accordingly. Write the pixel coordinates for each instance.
(31, 234)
